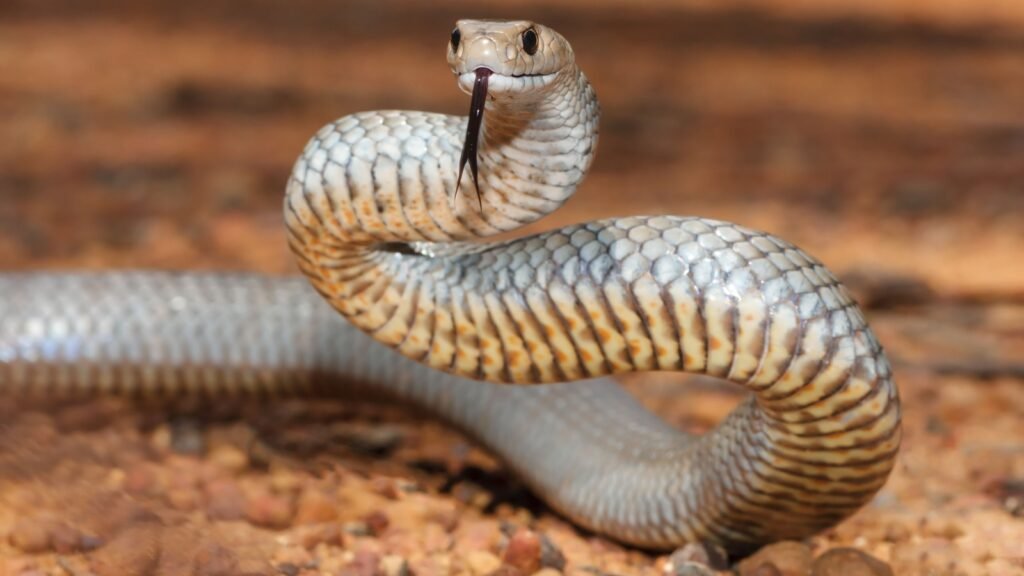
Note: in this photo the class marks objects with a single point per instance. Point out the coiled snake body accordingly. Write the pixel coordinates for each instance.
(384, 233)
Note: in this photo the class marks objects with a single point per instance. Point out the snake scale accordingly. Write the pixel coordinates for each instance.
(387, 229)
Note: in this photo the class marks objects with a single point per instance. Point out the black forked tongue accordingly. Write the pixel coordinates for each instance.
(469, 147)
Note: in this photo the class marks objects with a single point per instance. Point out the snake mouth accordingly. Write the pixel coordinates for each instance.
(481, 78)
(470, 144)
(505, 83)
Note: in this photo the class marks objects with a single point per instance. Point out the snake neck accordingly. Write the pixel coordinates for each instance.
(375, 181)
(535, 151)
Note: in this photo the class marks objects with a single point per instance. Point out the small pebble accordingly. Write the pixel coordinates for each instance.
(133, 550)
(225, 501)
(947, 530)
(394, 565)
(523, 551)
(30, 536)
(187, 437)
(376, 522)
(849, 562)
(18, 567)
(708, 554)
(434, 538)
(1011, 492)
(215, 560)
(315, 506)
(356, 528)
(90, 542)
(183, 499)
(481, 562)
(270, 510)
(896, 532)
(229, 459)
(160, 439)
(473, 534)
(691, 569)
(284, 481)
(309, 537)
(386, 487)
(144, 478)
(296, 555)
(364, 563)
(786, 558)
(378, 440)
(550, 555)
(65, 539)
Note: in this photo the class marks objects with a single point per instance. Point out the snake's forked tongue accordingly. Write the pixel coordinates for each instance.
(469, 147)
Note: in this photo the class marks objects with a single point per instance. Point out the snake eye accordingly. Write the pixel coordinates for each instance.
(530, 41)
(456, 38)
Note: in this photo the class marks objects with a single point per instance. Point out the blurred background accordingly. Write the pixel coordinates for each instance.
(886, 137)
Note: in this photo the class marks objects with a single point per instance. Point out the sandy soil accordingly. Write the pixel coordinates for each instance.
(885, 138)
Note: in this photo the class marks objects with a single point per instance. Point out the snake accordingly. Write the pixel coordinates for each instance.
(515, 342)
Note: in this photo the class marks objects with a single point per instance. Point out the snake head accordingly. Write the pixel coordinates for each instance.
(522, 56)
(503, 61)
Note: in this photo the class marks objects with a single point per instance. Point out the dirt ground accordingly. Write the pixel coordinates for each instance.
(886, 138)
